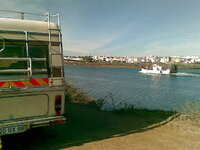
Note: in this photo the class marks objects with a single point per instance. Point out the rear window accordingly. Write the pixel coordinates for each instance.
(13, 51)
(19, 51)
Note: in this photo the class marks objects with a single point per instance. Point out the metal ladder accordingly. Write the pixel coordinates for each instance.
(48, 18)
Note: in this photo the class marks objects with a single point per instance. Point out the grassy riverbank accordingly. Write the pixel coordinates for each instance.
(132, 65)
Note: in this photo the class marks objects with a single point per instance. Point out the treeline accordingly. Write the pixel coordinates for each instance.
(132, 65)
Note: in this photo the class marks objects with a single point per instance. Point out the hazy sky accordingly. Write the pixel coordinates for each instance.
(122, 27)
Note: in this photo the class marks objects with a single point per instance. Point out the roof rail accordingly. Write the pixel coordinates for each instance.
(22, 14)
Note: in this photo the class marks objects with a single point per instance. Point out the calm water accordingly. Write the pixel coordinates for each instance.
(124, 85)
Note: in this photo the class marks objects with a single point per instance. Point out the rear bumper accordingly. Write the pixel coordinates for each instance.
(31, 123)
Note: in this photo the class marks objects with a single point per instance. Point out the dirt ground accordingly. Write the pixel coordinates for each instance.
(175, 135)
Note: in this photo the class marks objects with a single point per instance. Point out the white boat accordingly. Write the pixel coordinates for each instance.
(156, 69)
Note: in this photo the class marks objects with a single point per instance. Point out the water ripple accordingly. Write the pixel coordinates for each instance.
(166, 92)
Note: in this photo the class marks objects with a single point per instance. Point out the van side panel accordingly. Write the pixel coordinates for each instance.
(22, 106)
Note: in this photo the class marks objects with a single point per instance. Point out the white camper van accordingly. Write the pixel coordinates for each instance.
(31, 73)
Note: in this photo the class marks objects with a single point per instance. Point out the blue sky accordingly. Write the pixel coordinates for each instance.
(122, 27)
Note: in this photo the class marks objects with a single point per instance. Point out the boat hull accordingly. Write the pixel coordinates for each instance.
(146, 71)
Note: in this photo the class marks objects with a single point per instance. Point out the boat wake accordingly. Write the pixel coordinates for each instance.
(187, 74)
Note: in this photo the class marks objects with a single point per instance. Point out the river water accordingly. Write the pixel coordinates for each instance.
(126, 86)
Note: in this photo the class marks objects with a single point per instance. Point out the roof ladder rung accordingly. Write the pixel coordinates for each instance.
(57, 54)
(54, 42)
(54, 29)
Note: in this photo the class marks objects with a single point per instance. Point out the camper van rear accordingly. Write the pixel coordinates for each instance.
(31, 74)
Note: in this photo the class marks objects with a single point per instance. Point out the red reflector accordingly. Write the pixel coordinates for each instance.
(56, 122)
(58, 101)
(58, 113)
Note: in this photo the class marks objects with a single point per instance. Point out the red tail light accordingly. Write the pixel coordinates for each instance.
(58, 101)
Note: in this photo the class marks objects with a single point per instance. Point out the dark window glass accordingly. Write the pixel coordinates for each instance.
(14, 51)
(19, 51)
(39, 52)
(56, 72)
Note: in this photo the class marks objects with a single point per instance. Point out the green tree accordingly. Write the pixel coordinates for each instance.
(88, 59)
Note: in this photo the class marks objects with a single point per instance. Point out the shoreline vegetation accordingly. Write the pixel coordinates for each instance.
(131, 65)
(190, 110)
(76, 95)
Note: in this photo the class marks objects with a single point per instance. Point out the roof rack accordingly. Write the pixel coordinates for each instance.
(48, 19)
(46, 16)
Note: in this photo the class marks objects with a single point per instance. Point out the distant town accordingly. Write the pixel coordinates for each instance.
(147, 59)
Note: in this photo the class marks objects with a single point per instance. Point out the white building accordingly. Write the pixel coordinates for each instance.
(165, 59)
